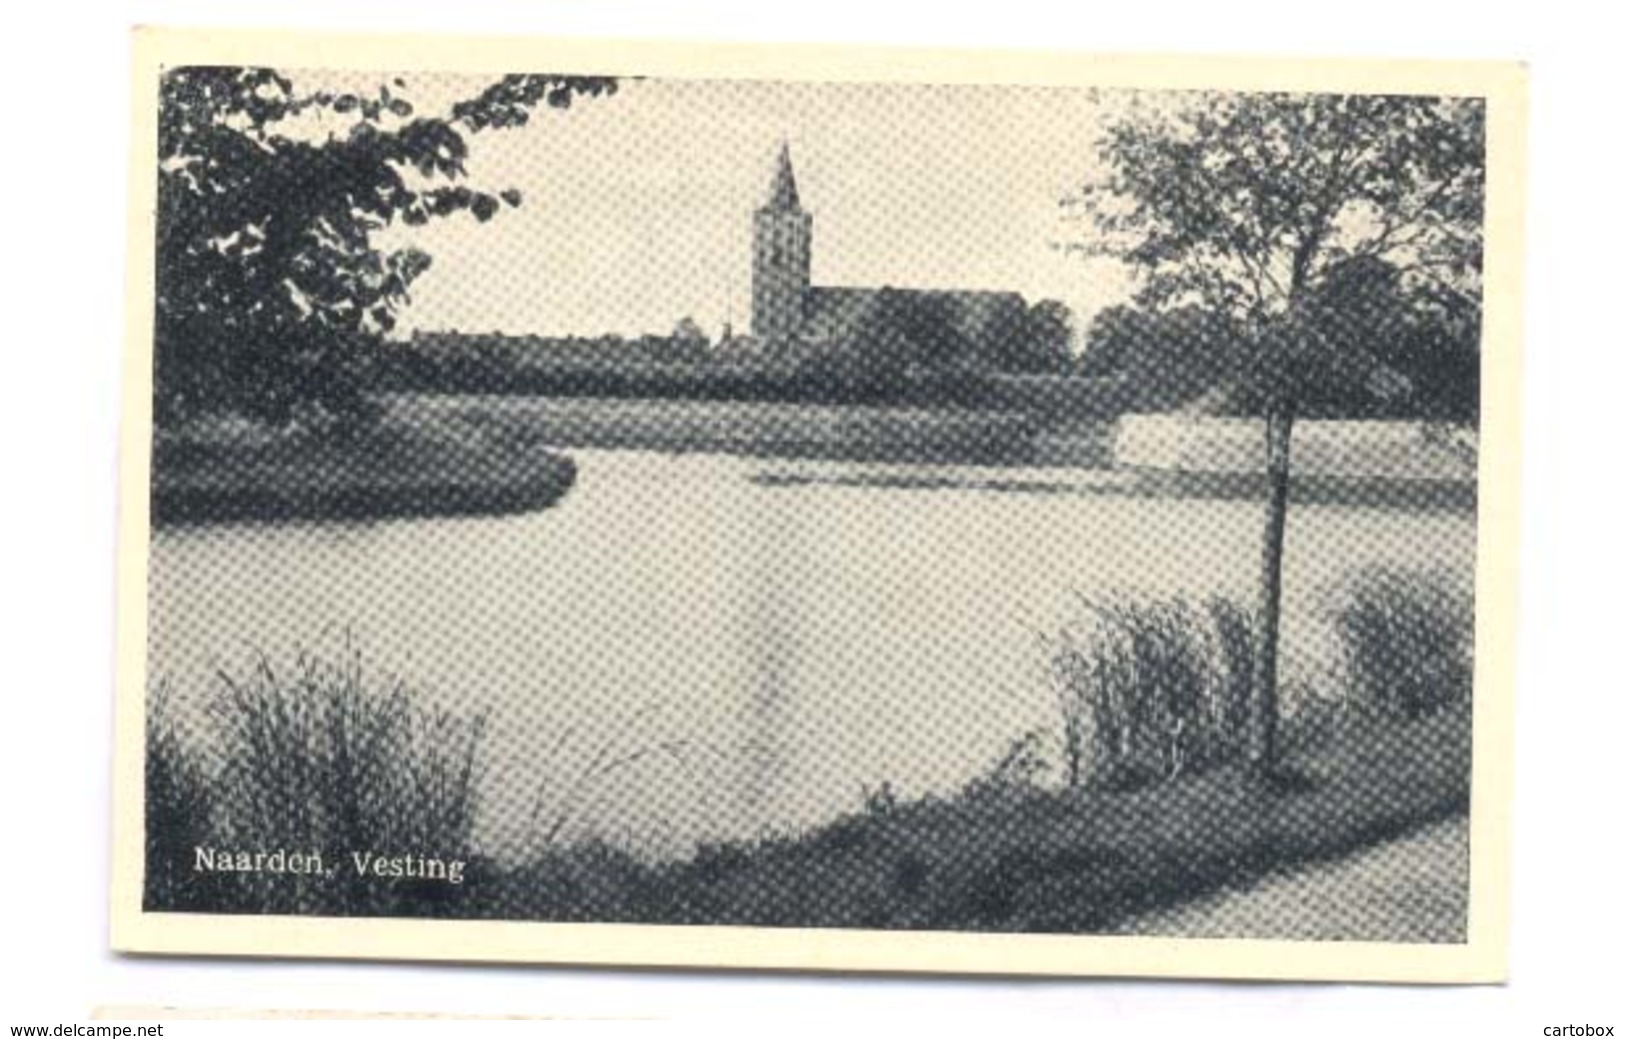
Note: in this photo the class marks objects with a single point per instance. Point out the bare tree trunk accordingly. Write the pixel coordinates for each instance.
(1266, 701)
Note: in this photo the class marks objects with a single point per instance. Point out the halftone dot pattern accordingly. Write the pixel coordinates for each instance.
(723, 687)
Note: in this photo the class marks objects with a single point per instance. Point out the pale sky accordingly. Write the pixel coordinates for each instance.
(637, 206)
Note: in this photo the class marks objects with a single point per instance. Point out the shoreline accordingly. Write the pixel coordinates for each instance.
(1130, 482)
(995, 858)
(191, 506)
(913, 448)
(439, 455)
(399, 469)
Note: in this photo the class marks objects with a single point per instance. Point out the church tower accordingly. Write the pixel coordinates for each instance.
(781, 263)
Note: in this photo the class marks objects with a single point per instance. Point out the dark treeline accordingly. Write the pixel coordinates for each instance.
(685, 368)
(890, 347)
(1400, 359)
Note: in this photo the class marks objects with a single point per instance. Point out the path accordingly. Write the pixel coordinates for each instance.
(1413, 889)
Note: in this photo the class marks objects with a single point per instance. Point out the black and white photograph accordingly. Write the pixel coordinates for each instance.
(924, 515)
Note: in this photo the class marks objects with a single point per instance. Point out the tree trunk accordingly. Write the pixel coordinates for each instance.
(1266, 701)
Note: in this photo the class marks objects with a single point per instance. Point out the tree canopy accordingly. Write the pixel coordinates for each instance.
(271, 290)
(1170, 357)
(1269, 211)
(931, 331)
(1188, 356)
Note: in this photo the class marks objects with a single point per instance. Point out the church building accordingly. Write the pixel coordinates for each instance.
(787, 307)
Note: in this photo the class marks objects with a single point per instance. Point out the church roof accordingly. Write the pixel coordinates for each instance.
(783, 194)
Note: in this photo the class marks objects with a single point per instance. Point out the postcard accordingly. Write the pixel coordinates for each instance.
(809, 507)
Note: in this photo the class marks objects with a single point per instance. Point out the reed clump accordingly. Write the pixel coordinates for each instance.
(1406, 637)
(1150, 689)
(321, 758)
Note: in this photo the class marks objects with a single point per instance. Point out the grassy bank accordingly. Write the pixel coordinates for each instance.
(894, 434)
(1309, 489)
(469, 454)
(410, 463)
(844, 432)
(997, 857)
(1080, 860)
(650, 369)
(1151, 808)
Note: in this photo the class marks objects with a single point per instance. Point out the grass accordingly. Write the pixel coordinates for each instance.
(486, 454)
(1407, 638)
(560, 800)
(407, 464)
(1020, 858)
(321, 758)
(844, 432)
(1151, 689)
(179, 811)
(1155, 807)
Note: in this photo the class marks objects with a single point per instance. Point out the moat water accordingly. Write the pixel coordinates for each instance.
(760, 641)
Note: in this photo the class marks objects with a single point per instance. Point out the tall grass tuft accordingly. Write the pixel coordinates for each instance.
(320, 758)
(1407, 638)
(1150, 689)
(179, 812)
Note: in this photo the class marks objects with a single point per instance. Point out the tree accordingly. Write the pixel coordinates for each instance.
(1170, 357)
(271, 292)
(1430, 350)
(688, 333)
(931, 322)
(895, 332)
(1047, 335)
(1254, 207)
(1025, 340)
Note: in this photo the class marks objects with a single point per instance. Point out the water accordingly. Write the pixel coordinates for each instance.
(756, 653)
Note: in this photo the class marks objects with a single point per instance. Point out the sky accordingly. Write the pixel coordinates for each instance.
(637, 206)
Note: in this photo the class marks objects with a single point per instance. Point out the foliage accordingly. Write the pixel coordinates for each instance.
(1044, 340)
(561, 800)
(904, 331)
(323, 758)
(1019, 770)
(1169, 358)
(178, 808)
(1428, 353)
(271, 290)
(1407, 639)
(1184, 356)
(1267, 211)
(688, 334)
(1024, 340)
(654, 368)
(898, 332)
(1151, 689)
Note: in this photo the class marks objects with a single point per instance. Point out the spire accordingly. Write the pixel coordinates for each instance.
(783, 195)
